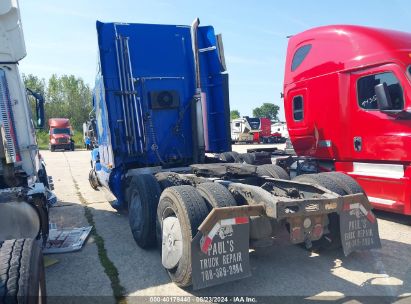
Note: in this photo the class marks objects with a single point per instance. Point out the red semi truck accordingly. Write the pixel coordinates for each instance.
(60, 133)
(347, 100)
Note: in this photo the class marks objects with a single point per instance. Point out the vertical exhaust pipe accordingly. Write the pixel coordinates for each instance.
(197, 109)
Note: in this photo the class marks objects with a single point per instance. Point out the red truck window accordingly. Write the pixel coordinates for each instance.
(299, 56)
(366, 92)
(298, 108)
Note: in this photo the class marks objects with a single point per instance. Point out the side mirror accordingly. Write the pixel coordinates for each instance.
(383, 97)
(40, 113)
(40, 118)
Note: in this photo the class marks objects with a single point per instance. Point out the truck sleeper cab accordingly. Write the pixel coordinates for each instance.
(162, 124)
(347, 95)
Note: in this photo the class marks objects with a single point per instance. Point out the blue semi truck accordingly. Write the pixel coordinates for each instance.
(161, 104)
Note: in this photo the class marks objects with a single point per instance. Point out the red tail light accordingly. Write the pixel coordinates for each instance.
(318, 231)
(296, 233)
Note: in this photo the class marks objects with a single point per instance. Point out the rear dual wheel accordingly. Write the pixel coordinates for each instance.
(230, 157)
(180, 212)
(273, 171)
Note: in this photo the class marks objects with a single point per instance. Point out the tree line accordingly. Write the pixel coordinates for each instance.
(267, 109)
(70, 97)
(65, 96)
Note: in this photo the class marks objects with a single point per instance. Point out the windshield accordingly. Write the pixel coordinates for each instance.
(61, 131)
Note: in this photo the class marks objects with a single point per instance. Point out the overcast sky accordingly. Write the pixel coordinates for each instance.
(61, 37)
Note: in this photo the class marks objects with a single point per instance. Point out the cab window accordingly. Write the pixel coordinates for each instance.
(299, 56)
(298, 108)
(367, 98)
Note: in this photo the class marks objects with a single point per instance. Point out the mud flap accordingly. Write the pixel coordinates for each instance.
(222, 255)
(358, 226)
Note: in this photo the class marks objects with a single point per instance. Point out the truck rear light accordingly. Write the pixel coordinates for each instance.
(296, 233)
(318, 231)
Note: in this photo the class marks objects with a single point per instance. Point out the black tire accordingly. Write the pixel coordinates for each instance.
(236, 156)
(344, 181)
(142, 195)
(22, 277)
(321, 181)
(92, 178)
(52, 148)
(216, 195)
(72, 147)
(185, 203)
(272, 171)
(331, 240)
(248, 158)
(226, 157)
(165, 180)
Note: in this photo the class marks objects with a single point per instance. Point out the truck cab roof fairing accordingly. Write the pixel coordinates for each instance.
(341, 47)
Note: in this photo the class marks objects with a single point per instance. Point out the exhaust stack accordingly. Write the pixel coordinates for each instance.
(197, 109)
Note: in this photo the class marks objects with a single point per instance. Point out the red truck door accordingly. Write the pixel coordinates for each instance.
(380, 142)
(376, 135)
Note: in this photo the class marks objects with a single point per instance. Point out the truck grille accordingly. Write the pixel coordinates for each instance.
(8, 133)
(62, 140)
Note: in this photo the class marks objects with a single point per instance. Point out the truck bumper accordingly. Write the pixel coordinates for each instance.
(62, 146)
(222, 239)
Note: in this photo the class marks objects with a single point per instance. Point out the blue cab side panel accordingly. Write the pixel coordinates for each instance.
(143, 95)
(215, 84)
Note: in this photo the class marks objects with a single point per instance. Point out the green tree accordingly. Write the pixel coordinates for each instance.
(268, 110)
(37, 85)
(234, 114)
(69, 97)
(66, 96)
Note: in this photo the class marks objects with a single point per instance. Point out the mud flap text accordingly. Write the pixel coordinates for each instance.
(224, 259)
(359, 228)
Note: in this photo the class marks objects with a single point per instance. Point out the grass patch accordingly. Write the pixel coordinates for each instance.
(109, 268)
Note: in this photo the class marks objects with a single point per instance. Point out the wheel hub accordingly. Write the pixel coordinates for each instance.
(172, 244)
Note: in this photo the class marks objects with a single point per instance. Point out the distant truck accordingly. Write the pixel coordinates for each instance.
(347, 101)
(60, 134)
(280, 129)
(89, 136)
(254, 130)
(163, 118)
